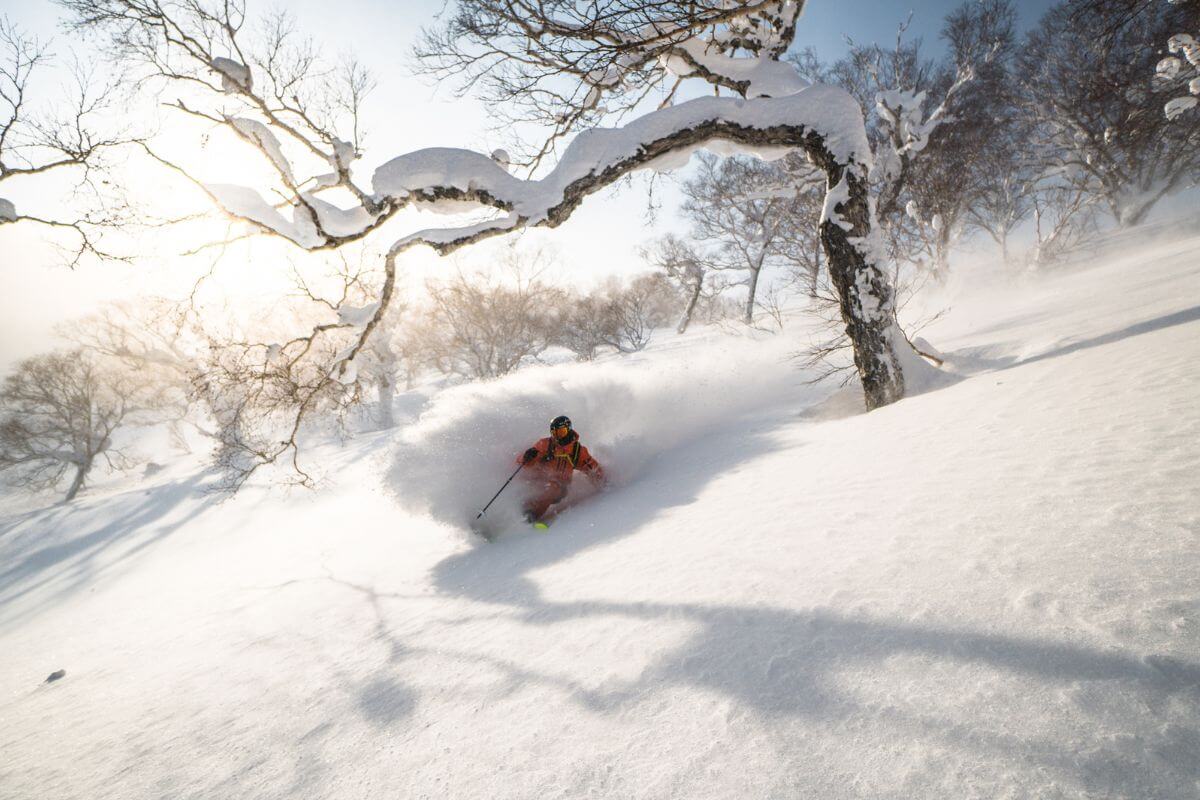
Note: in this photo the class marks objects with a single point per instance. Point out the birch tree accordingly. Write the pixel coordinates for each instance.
(743, 225)
(928, 123)
(679, 260)
(479, 328)
(158, 341)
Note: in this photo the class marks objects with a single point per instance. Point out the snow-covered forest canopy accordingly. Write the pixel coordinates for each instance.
(846, 280)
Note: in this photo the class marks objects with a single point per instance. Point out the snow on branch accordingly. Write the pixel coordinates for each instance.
(817, 118)
(582, 64)
(1173, 70)
(820, 118)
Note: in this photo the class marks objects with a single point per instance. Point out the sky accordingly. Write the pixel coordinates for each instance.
(405, 113)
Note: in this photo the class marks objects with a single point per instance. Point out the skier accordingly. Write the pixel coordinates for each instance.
(551, 463)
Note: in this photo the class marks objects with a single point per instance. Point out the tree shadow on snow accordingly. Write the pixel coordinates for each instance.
(796, 664)
(980, 359)
(1137, 329)
(780, 663)
(76, 558)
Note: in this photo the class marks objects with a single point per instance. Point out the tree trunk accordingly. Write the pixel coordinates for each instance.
(81, 471)
(941, 254)
(814, 274)
(1039, 249)
(686, 319)
(1129, 217)
(865, 297)
(751, 290)
(386, 393)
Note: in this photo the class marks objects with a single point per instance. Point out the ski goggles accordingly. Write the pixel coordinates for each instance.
(561, 430)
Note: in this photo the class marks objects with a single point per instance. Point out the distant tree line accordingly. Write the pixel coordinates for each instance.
(157, 363)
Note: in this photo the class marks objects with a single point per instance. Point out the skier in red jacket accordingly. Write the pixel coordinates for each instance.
(551, 462)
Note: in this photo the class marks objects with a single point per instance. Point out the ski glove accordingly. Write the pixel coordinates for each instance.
(530, 455)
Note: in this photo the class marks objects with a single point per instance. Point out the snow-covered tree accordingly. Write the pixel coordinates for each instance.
(65, 136)
(928, 123)
(1007, 188)
(679, 260)
(565, 64)
(156, 340)
(58, 414)
(1180, 72)
(479, 328)
(1088, 80)
(636, 308)
(740, 222)
(945, 184)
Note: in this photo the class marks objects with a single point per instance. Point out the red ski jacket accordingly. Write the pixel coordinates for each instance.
(556, 461)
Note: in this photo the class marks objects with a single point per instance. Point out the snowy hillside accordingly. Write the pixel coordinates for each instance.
(987, 590)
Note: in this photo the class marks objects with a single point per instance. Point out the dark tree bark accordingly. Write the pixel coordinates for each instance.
(690, 309)
(751, 292)
(865, 296)
(81, 472)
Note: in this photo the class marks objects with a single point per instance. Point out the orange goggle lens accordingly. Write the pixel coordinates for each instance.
(560, 430)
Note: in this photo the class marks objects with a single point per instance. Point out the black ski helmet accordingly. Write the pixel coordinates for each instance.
(559, 421)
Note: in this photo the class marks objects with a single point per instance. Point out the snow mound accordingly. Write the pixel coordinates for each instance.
(628, 412)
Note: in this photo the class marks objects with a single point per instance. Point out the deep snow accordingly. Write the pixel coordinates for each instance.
(987, 590)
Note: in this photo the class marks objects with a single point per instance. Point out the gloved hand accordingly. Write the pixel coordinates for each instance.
(530, 455)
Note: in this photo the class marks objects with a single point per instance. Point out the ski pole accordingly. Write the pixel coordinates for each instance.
(502, 488)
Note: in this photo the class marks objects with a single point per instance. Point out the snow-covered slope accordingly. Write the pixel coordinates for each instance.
(988, 590)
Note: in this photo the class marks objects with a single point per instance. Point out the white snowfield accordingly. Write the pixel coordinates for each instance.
(990, 590)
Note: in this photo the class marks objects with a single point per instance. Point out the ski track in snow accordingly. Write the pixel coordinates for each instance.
(988, 590)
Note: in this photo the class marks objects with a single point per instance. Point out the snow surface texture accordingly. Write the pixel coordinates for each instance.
(988, 590)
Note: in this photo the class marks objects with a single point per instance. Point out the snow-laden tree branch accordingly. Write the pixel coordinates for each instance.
(1181, 68)
(569, 66)
(267, 92)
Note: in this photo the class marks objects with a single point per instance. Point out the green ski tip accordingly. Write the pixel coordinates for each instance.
(541, 526)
